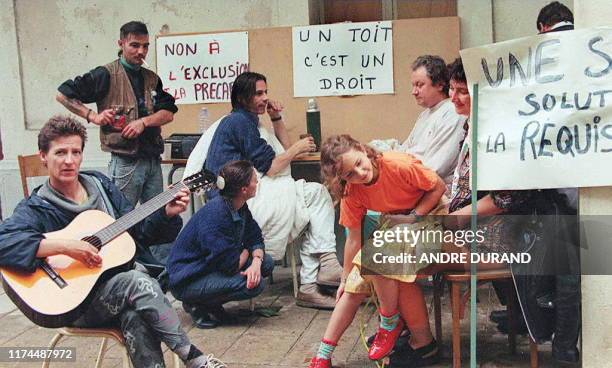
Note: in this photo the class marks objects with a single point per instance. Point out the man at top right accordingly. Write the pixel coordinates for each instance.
(555, 17)
(437, 133)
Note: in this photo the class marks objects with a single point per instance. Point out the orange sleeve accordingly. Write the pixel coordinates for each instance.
(351, 213)
(420, 176)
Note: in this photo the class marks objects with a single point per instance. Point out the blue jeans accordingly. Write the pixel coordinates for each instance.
(217, 288)
(139, 179)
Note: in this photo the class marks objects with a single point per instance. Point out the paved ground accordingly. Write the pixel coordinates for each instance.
(287, 340)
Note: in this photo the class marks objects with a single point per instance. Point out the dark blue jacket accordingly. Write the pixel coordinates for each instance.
(212, 241)
(20, 235)
(237, 138)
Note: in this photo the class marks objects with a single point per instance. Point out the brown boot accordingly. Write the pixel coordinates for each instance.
(330, 270)
(309, 296)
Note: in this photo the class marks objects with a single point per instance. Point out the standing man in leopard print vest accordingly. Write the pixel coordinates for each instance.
(131, 108)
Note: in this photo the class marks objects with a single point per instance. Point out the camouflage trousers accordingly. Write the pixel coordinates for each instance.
(134, 302)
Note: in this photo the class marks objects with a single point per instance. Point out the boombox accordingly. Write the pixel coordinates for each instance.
(182, 144)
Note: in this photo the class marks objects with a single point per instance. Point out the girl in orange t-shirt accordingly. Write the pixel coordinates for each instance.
(364, 179)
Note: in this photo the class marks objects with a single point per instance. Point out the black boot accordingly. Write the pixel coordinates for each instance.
(200, 316)
(498, 316)
(567, 319)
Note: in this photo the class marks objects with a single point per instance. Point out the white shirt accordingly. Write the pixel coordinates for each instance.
(435, 139)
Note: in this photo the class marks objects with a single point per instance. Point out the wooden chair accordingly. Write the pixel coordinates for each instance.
(30, 166)
(105, 334)
(456, 279)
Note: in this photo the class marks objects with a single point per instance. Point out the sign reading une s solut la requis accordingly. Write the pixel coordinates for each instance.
(544, 110)
(201, 68)
(343, 59)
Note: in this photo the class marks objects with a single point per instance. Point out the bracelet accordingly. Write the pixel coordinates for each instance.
(280, 117)
(87, 116)
(260, 257)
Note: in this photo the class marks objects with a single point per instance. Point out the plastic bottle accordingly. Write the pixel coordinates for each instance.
(203, 120)
(313, 122)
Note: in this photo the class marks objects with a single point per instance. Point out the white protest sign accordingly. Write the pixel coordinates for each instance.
(544, 110)
(201, 68)
(343, 59)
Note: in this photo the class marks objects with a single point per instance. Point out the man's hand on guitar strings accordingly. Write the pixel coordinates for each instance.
(179, 203)
(83, 252)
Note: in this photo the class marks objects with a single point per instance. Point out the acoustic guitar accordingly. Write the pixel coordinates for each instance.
(56, 294)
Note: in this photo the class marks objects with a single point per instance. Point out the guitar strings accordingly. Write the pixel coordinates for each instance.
(125, 222)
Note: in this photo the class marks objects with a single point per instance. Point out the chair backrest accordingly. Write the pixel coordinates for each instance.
(30, 166)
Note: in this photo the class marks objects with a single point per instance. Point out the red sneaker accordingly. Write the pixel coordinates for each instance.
(384, 341)
(317, 362)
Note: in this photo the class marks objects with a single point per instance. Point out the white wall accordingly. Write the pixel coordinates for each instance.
(487, 21)
(46, 42)
(596, 290)
(476, 22)
(517, 18)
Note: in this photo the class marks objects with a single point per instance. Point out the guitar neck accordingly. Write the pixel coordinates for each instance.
(140, 213)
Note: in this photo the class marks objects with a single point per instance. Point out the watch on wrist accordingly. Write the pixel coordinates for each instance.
(87, 116)
(279, 117)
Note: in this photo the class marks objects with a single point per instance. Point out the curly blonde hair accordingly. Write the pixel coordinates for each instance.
(331, 151)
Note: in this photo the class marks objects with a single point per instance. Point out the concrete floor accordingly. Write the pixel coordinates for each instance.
(287, 340)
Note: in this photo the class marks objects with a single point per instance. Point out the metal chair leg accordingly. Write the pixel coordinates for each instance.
(52, 344)
(291, 249)
(176, 361)
(101, 353)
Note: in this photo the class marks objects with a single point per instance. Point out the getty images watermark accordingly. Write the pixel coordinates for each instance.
(460, 238)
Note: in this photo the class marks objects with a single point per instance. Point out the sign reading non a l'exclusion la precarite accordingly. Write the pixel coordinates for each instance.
(544, 110)
(201, 68)
(343, 59)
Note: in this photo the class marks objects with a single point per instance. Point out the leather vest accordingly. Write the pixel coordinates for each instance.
(121, 93)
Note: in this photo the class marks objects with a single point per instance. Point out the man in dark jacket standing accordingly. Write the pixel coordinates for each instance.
(556, 17)
(549, 288)
(130, 299)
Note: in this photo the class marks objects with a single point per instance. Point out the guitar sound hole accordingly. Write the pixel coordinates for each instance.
(93, 240)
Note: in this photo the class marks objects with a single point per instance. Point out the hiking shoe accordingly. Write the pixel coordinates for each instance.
(330, 270)
(309, 296)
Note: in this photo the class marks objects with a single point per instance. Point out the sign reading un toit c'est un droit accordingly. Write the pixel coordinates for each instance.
(544, 110)
(343, 59)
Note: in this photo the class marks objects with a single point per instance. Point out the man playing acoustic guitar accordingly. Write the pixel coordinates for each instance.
(130, 300)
